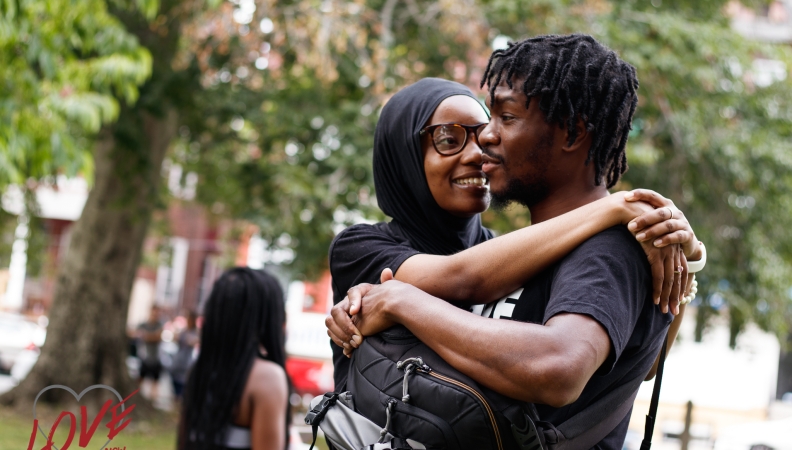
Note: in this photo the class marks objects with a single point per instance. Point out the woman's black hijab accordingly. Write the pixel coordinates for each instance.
(400, 179)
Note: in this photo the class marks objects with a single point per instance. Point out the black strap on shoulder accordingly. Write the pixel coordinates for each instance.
(646, 444)
(317, 413)
(590, 426)
(578, 432)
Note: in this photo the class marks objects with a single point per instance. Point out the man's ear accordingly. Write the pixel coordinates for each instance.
(583, 138)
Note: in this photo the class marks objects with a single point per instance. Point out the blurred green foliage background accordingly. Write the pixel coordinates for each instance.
(276, 104)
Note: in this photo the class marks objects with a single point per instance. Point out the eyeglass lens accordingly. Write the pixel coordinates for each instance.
(452, 137)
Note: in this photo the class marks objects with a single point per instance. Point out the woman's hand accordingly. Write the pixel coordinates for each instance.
(662, 232)
(669, 269)
(665, 225)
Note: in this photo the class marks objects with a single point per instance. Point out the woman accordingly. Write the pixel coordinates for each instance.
(236, 395)
(435, 240)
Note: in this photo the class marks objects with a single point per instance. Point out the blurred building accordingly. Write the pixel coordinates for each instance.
(59, 205)
(773, 24)
(178, 278)
(188, 261)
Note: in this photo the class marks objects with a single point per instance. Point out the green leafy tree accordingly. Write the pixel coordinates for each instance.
(714, 133)
(64, 66)
(716, 136)
(287, 144)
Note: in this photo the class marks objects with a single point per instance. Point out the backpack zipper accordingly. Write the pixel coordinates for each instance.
(427, 370)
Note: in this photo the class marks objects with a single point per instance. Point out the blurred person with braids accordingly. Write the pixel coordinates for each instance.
(561, 111)
(237, 391)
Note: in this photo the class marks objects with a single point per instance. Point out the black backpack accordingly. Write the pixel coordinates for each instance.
(404, 387)
(393, 373)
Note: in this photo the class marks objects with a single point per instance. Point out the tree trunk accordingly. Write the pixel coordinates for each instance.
(86, 339)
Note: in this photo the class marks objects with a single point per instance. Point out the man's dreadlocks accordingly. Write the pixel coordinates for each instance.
(574, 76)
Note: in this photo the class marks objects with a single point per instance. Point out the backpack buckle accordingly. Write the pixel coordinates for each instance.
(317, 413)
(528, 437)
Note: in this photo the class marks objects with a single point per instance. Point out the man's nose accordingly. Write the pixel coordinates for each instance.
(488, 136)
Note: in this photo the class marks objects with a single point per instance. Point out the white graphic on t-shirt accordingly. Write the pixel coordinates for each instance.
(477, 309)
(501, 309)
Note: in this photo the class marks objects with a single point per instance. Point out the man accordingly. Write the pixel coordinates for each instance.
(561, 111)
(150, 334)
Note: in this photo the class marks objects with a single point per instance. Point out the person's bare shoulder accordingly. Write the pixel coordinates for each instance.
(267, 382)
(269, 399)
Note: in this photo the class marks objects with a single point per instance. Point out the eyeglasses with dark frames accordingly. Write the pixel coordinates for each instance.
(450, 138)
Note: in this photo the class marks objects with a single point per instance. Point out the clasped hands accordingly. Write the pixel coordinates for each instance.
(348, 321)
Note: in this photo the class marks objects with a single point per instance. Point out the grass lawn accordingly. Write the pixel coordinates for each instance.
(159, 433)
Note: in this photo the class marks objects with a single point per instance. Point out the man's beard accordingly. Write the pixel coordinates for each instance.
(524, 192)
(530, 190)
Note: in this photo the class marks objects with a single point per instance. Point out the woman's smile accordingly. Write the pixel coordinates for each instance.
(473, 186)
(467, 181)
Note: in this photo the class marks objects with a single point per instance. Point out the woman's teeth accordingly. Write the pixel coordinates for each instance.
(473, 181)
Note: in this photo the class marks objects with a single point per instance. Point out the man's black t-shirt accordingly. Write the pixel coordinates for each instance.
(608, 279)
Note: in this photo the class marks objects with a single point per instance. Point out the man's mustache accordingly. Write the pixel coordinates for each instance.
(489, 157)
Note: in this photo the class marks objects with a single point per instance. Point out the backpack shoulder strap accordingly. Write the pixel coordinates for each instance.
(650, 418)
(588, 427)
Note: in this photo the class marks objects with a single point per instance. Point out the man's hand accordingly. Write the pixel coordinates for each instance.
(341, 329)
(340, 325)
(373, 314)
